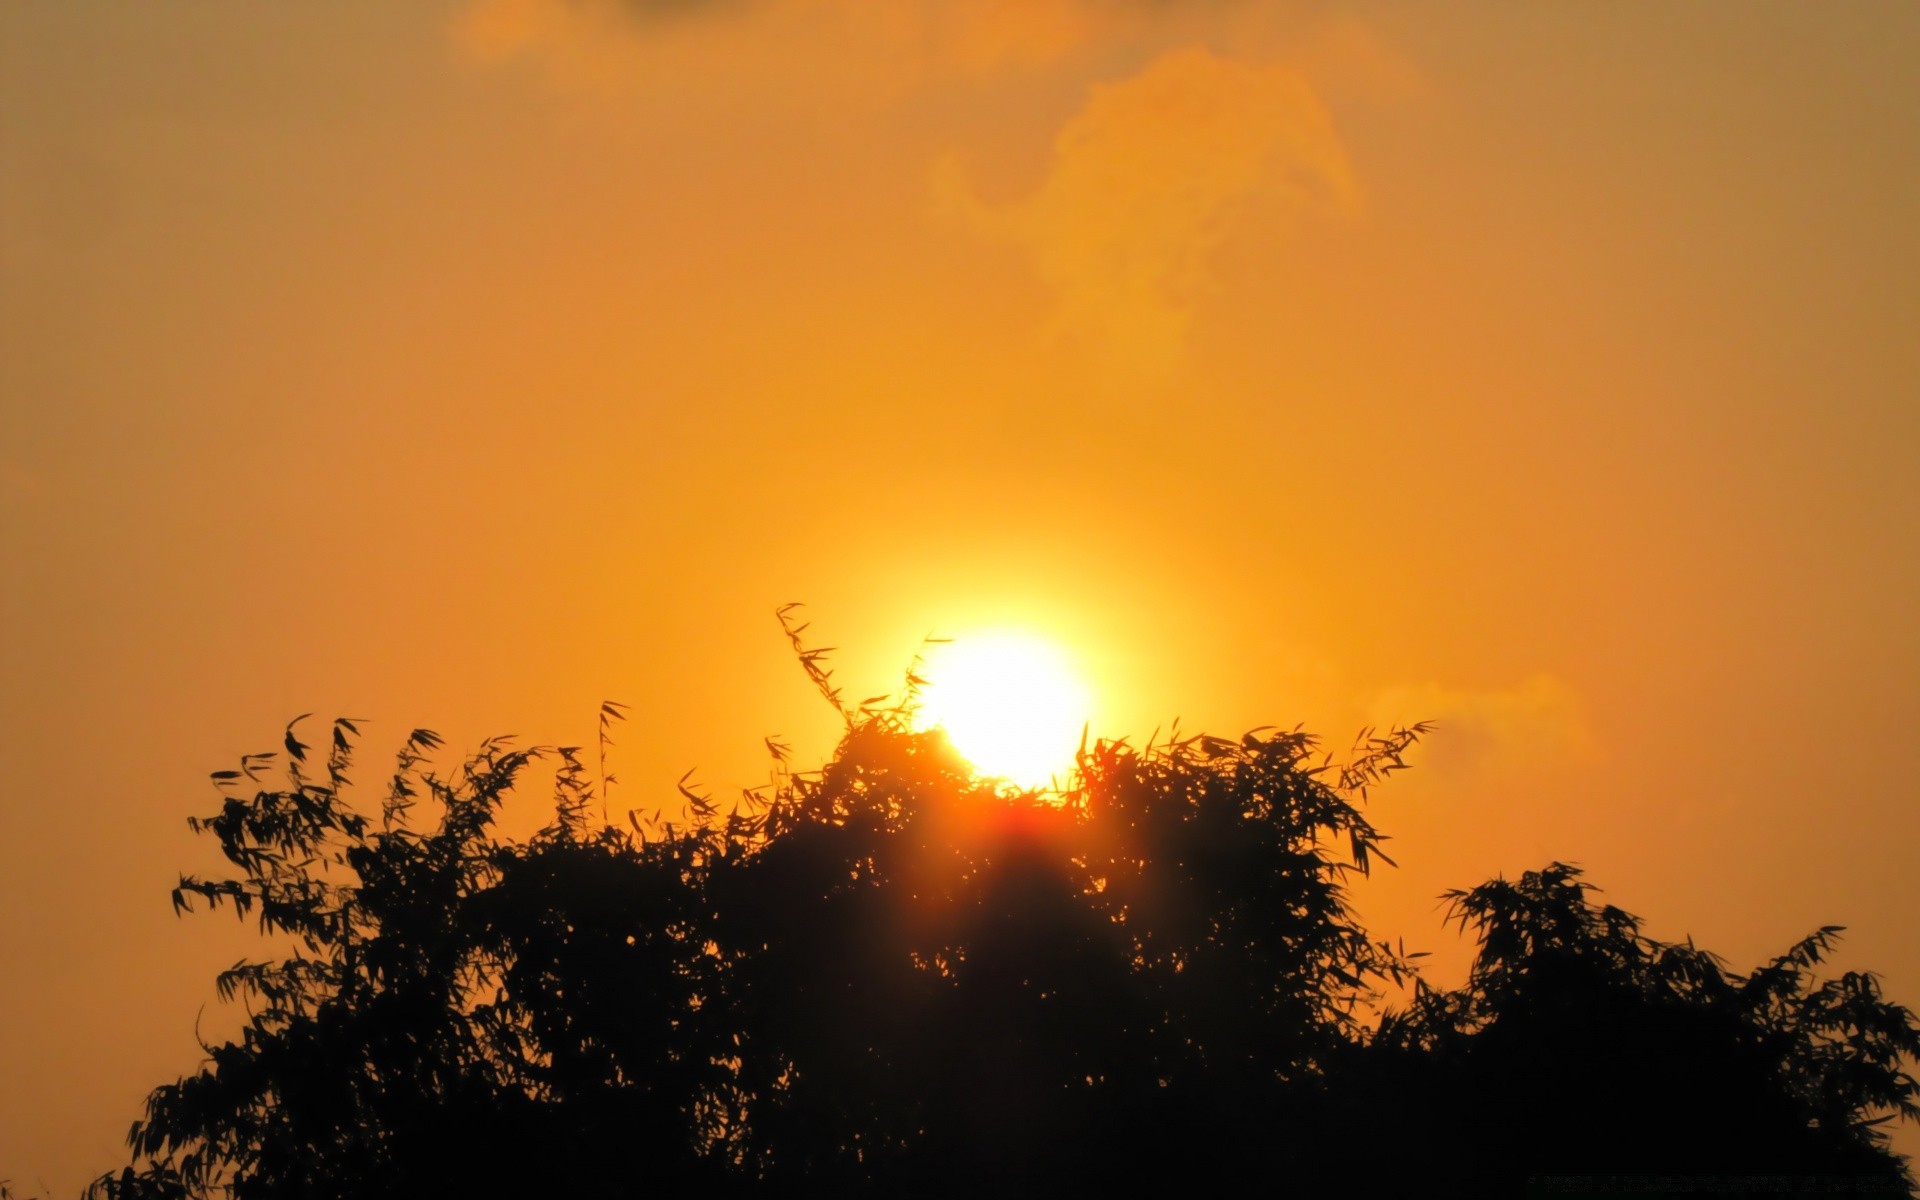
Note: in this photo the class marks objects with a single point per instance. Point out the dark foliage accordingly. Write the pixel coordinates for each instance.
(1581, 1047)
(892, 977)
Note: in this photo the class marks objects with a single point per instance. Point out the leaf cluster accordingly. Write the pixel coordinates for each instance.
(891, 976)
(1580, 1044)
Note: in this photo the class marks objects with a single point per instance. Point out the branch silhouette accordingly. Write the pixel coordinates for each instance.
(890, 976)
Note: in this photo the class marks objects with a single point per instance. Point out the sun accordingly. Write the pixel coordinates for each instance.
(1011, 703)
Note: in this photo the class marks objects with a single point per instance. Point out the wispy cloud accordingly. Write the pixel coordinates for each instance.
(1147, 180)
(947, 37)
(1158, 168)
(1539, 724)
(607, 42)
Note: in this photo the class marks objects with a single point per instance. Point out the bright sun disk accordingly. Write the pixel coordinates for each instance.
(1011, 704)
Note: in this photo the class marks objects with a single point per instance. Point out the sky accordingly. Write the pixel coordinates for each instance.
(1543, 371)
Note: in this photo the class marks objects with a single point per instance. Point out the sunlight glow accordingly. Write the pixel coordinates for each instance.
(1011, 704)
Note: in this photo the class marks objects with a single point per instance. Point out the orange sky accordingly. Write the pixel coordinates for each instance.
(1546, 371)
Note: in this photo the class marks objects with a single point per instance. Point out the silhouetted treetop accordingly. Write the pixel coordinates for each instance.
(1580, 1045)
(892, 976)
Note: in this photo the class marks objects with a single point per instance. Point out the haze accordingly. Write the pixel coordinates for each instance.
(1548, 372)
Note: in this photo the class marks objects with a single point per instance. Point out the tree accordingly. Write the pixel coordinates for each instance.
(891, 976)
(1580, 1046)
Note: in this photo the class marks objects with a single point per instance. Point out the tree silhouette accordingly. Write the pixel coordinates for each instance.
(891, 976)
(1580, 1046)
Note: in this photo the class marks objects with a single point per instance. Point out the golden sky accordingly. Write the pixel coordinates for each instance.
(1547, 371)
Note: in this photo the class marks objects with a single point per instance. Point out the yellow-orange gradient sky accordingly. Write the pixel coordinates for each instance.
(1548, 371)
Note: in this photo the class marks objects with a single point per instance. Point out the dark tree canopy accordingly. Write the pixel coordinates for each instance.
(1579, 1044)
(893, 977)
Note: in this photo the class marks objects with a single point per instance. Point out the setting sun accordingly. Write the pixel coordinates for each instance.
(1012, 704)
(1542, 372)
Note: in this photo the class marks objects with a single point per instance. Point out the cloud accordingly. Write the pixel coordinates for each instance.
(607, 43)
(1156, 170)
(565, 33)
(984, 35)
(1538, 725)
(1147, 180)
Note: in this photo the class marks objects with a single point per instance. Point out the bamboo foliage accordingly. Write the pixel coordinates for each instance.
(890, 976)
